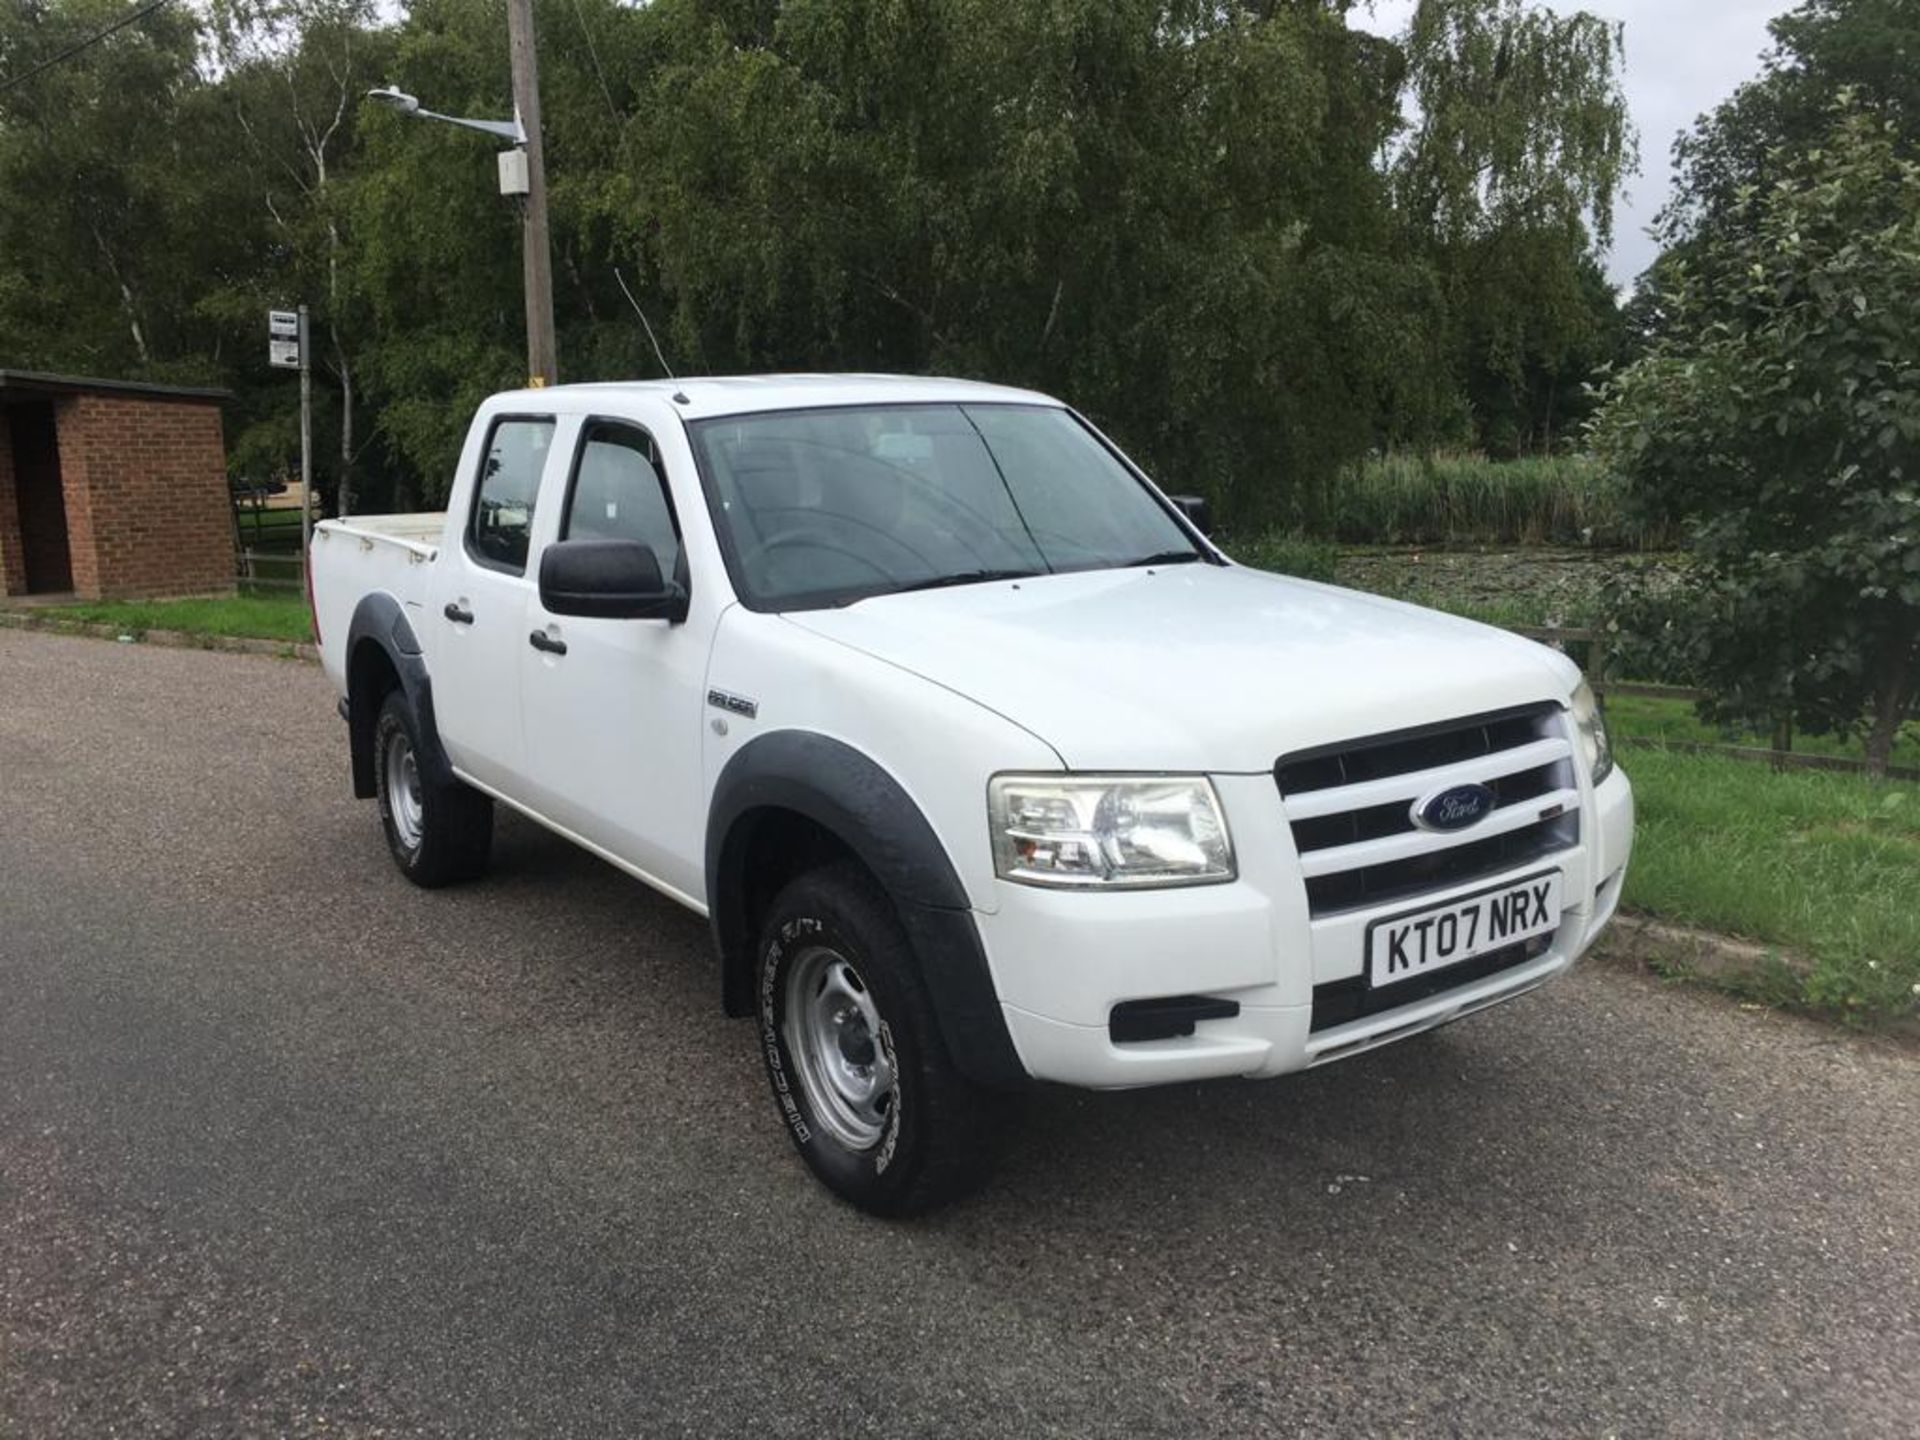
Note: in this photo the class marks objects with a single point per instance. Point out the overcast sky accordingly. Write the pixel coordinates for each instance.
(1683, 58)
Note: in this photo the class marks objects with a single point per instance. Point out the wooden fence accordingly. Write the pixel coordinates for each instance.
(1780, 754)
(274, 569)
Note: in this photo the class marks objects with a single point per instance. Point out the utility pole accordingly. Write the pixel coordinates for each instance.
(543, 366)
(306, 442)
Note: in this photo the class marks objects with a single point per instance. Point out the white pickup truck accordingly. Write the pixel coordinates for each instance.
(983, 763)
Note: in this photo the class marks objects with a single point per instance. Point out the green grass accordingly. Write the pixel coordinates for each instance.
(269, 526)
(1827, 866)
(266, 615)
(1469, 499)
(1296, 555)
(1646, 718)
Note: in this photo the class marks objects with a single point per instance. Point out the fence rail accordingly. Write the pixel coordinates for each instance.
(251, 560)
(1780, 754)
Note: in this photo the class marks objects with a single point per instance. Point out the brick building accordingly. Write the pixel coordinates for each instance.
(110, 488)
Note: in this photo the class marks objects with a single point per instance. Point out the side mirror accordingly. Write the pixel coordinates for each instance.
(608, 580)
(1199, 514)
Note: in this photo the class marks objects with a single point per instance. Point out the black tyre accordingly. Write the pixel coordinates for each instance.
(439, 834)
(861, 1077)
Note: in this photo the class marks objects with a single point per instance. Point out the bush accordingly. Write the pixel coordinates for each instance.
(1777, 416)
(1298, 555)
(1654, 617)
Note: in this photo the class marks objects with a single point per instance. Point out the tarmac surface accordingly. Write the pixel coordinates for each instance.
(289, 1147)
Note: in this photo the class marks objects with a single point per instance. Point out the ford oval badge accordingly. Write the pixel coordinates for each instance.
(1454, 808)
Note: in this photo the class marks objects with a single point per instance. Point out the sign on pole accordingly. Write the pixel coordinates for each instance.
(283, 339)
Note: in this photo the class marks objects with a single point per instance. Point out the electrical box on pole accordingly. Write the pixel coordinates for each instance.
(516, 178)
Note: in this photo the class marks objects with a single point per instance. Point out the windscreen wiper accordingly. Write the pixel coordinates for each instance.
(964, 577)
(1165, 557)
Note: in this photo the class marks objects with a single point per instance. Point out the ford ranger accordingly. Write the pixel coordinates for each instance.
(984, 765)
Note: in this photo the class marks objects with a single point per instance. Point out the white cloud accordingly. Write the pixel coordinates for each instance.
(1683, 57)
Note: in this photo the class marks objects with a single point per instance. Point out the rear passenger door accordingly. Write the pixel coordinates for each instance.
(480, 603)
(613, 707)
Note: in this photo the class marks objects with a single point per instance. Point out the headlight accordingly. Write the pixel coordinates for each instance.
(1590, 727)
(1108, 831)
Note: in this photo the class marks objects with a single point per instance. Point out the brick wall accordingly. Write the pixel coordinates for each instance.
(146, 492)
(13, 559)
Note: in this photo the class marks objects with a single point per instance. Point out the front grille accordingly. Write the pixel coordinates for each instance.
(1351, 806)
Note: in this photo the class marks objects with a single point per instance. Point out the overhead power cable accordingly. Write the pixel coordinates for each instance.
(88, 43)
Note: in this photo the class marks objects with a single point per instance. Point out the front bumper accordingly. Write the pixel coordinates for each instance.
(1062, 960)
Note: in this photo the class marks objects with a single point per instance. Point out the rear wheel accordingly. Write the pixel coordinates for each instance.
(860, 1074)
(439, 834)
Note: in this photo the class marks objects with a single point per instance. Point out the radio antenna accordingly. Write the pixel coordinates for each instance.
(679, 395)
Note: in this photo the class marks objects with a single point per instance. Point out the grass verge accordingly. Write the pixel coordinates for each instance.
(1643, 718)
(1827, 866)
(267, 615)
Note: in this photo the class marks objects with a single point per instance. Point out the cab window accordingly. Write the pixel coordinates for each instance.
(618, 494)
(503, 501)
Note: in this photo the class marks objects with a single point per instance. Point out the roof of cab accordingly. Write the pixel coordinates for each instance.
(711, 396)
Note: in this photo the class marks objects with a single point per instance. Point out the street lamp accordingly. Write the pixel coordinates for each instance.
(508, 130)
(522, 172)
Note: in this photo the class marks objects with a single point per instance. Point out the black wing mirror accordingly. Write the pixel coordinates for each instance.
(608, 580)
(1199, 514)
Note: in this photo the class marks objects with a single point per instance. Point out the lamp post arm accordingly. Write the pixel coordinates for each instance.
(508, 130)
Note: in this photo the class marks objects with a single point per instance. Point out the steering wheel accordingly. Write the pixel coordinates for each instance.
(820, 516)
(796, 538)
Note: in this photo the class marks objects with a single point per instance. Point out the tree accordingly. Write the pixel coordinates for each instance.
(1203, 221)
(1504, 183)
(106, 179)
(1778, 415)
(296, 71)
(1820, 48)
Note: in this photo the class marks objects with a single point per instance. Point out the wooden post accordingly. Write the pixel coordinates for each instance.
(543, 365)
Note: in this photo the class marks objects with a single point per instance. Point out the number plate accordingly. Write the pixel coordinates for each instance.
(1427, 940)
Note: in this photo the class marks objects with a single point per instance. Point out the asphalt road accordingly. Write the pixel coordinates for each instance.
(289, 1147)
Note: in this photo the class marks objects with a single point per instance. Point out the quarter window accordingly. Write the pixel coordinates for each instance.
(618, 493)
(503, 502)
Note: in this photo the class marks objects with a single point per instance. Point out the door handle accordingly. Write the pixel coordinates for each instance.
(459, 616)
(540, 640)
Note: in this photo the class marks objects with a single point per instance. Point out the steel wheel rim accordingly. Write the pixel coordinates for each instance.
(403, 789)
(832, 1030)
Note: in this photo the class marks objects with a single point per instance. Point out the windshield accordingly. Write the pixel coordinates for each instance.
(825, 507)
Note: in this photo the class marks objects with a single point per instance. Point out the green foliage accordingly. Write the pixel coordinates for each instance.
(1778, 416)
(1204, 223)
(1300, 556)
(1441, 499)
(1522, 142)
(97, 159)
(1821, 47)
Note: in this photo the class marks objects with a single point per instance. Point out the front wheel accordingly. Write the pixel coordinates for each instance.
(439, 834)
(860, 1073)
